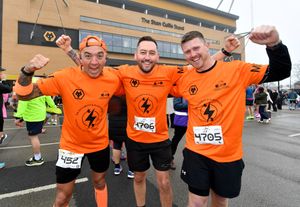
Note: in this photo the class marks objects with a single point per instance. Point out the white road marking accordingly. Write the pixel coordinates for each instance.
(18, 128)
(294, 135)
(26, 146)
(37, 189)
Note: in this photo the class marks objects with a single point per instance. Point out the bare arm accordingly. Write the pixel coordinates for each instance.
(25, 78)
(64, 42)
(231, 43)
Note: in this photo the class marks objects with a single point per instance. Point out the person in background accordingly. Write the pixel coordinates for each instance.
(170, 112)
(292, 99)
(33, 112)
(261, 100)
(270, 102)
(4, 88)
(249, 102)
(117, 121)
(274, 97)
(180, 124)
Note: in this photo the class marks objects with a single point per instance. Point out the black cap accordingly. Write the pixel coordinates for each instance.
(2, 69)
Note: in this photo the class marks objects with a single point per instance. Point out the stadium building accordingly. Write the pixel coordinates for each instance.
(30, 27)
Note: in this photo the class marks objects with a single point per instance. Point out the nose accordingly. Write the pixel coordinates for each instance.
(193, 53)
(94, 59)
(147, 56)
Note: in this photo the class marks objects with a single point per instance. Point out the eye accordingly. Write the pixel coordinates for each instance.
(152, 53)
(87, 56)
(100, 56)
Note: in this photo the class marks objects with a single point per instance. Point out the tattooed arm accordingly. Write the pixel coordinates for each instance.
(24, 87)
(64, 42)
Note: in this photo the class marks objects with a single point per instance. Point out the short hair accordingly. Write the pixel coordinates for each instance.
(147, 38)
(192, 35)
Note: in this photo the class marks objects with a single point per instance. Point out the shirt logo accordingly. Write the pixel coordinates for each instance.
(146, 104)
(158, 83)
(89, 117)
(209, 111)
(180, 69)
(193, 89)
(104, 94)
(78, 94)
(134, 83)
(221, 85)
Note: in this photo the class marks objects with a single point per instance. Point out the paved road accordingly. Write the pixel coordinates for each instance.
(271, 177)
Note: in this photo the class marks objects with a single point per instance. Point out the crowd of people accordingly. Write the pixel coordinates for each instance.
(211, 94)
(261, 101)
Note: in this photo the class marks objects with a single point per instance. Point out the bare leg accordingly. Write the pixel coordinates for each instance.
(101, 194)
(218, 201)
(140, 188)
(165, 189)
(197, 201)
(116, 156)
(63, 194)
(36, 145)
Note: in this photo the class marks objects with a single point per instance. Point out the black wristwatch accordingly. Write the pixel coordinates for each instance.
(226, 52)
(26, 73)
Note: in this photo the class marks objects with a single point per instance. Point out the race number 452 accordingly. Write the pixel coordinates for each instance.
(67, 159)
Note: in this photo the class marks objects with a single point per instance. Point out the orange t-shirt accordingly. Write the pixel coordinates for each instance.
(85, 103)
(146, 96)
(216, 99)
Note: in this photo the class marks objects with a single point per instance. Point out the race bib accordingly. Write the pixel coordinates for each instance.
(144, 124)
(67, 159)
(208, 135)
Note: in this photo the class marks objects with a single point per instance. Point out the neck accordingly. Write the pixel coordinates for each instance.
(208, 65)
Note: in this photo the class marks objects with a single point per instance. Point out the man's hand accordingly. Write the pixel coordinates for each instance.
(64, 42)
(19, 122)
(265, 35)
(231, 43)
(36, 63)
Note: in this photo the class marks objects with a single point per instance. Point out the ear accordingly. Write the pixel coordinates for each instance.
(135, 56)
(80, 59)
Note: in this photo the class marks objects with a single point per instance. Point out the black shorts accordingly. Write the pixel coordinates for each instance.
(117, 145)
(249, 102)
(202, 174)
(34, 128)
(138, 155)
(99, 162)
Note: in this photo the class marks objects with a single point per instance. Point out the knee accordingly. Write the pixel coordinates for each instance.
(193, 202)
(164, 185)
(99, 183)
(62, 199)
(139, 178)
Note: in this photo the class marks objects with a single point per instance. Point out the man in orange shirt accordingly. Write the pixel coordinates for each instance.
(86, 91)
(147, 86)
(215, 92)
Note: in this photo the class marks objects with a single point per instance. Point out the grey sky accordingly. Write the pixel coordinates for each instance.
(282, 14)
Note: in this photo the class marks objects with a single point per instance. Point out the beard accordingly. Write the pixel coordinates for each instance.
(146, 69)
